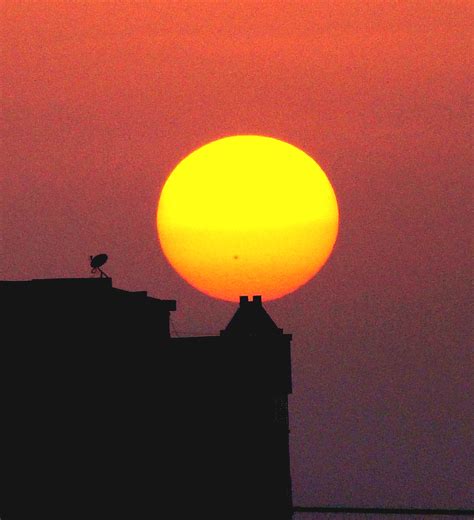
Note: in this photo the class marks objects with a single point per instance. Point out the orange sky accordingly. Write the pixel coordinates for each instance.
(102, 99)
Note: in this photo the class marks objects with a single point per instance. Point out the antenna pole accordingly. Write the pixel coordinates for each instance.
(102, 274)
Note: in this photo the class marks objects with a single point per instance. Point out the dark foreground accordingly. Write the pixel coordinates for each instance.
(105, 416)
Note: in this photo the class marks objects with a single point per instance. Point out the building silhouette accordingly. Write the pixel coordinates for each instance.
(104, 415)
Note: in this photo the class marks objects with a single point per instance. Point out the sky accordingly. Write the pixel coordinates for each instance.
(101, 100)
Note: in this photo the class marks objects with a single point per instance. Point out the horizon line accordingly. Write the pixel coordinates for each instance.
(384, 510)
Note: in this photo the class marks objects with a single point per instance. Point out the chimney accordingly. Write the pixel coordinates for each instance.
(244, 300)
(257, 300)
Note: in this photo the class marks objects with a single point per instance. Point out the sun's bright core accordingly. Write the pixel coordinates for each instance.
(247, 215)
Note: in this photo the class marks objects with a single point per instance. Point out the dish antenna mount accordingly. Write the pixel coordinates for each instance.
(97, 262)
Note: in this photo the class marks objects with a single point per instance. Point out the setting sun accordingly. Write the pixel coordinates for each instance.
(247, 215)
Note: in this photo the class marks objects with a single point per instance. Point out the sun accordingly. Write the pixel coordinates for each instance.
(247, 215)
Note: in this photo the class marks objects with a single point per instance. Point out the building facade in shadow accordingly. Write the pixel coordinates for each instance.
(104, 415)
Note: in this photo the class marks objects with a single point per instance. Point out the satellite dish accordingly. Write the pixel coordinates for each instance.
(97, 262)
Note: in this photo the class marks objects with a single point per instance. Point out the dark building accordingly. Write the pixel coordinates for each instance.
(104, 415)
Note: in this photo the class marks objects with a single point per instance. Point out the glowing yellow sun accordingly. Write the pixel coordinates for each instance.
(247, 215)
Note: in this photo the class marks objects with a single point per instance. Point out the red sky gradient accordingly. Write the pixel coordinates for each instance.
(100, 100)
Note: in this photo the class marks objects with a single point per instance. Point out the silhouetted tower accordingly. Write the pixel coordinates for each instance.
(266, 350)
(235, 388)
